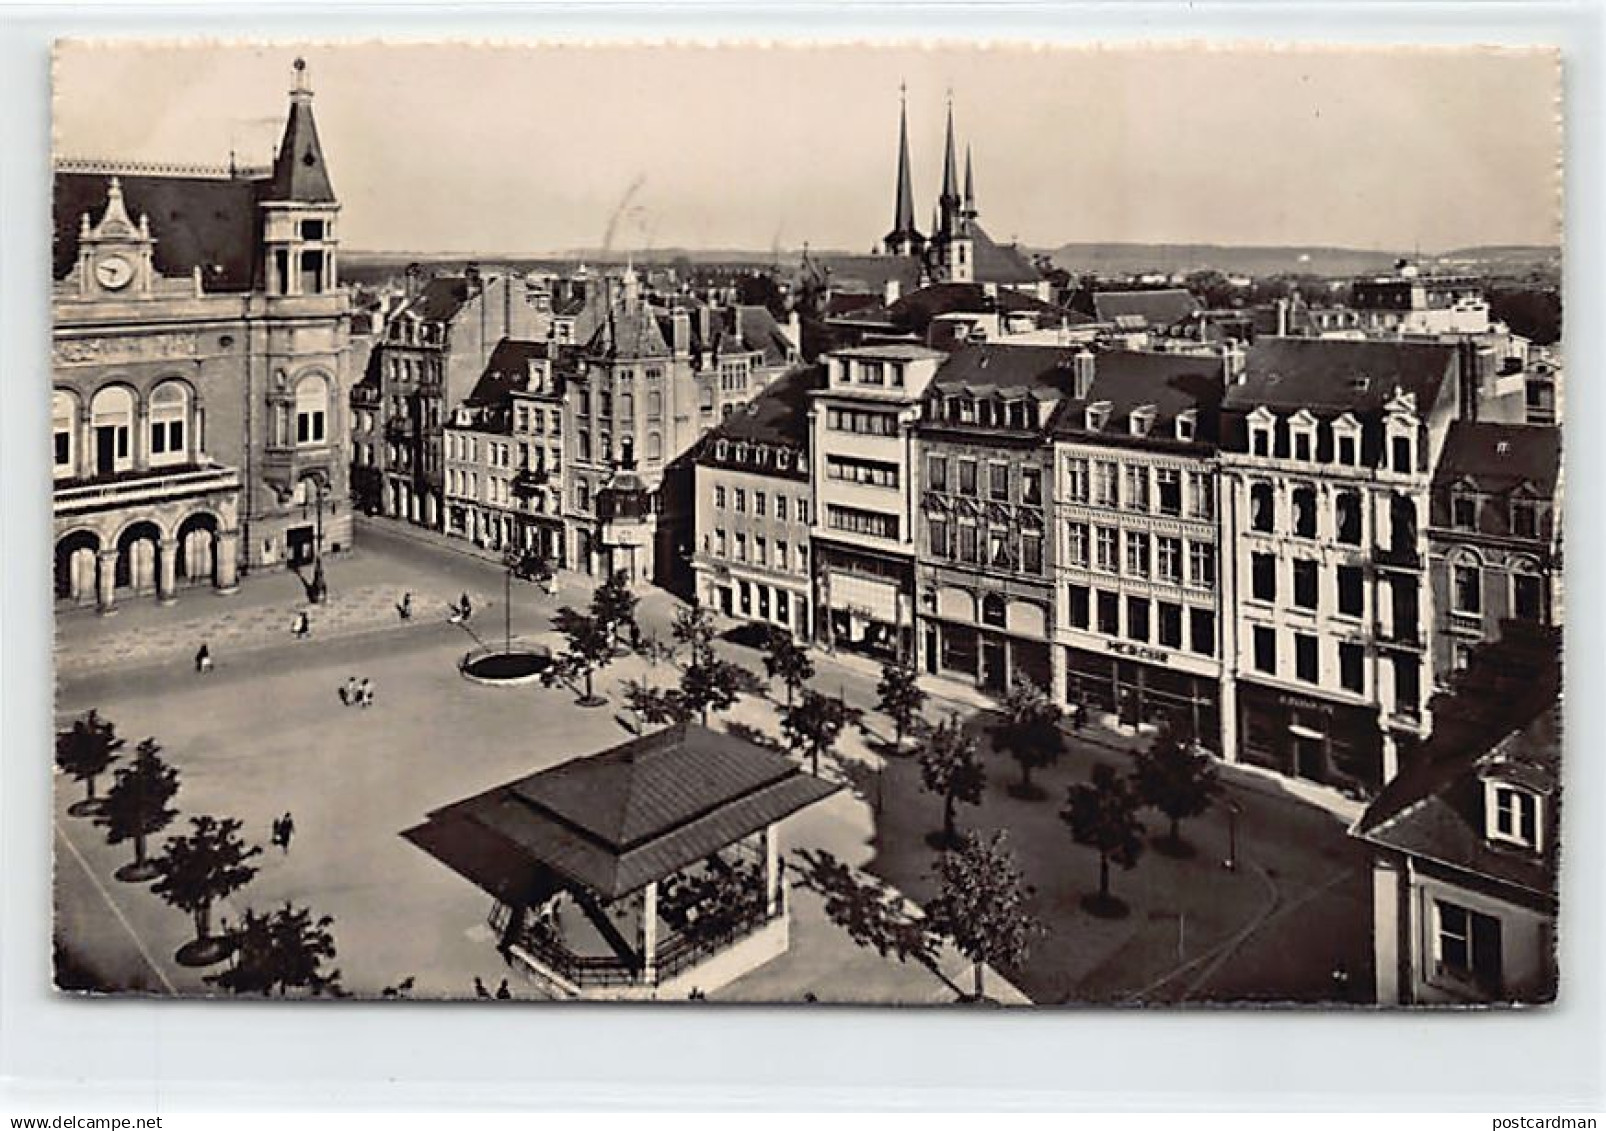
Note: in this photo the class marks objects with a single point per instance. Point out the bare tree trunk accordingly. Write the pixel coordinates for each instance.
(1104, 876)
(980, 973)
(948, 819)
(139, 850)
(203, 922)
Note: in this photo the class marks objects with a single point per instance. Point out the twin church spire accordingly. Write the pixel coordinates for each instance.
(953, 211)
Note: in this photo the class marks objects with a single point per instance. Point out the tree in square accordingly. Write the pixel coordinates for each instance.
(815, 722)
(1178, 779)
(279, 952)
(84, 751)
(196, 870)
(613, 605)
(951, 768)
(136, 807)
(981, 904)
(788, 661)
(1103, 814)
(1029, 732)
(900, 698)
(587, 648)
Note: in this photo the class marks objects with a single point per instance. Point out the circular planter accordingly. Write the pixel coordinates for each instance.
(502, 667)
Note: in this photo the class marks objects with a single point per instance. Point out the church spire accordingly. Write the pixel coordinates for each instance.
(299, 173)
(904, 236)
(969, 212)
(950, 175)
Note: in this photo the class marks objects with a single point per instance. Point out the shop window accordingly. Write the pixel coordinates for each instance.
(1170, 617)
(1307, 664)
(1262, 508)
(1352, 667)
(1137, 618)
(1351, 591)
(1305, 584)
(994, 611)
(1265, 650)
(1263, 576)
(1078, 606)
(1202, 631)
(1109, 614)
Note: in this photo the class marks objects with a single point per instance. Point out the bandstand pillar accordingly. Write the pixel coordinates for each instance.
(772, 871)
(649, 934)
(228, 562)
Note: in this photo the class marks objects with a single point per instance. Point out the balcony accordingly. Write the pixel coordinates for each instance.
(1397, 557)
(133, 488)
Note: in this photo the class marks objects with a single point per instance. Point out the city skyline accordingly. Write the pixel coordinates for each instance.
(1462, 119)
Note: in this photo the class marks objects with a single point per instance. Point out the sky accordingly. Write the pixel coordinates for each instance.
(530, 149)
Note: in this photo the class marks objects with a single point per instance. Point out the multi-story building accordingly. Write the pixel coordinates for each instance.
(500, 470)
(1409, 302)
(1136, 525)
(1494, 536)
(861, 430)
(1465, 838)
(984, 471)
(1328, 450)
(199, 371)
(753, 508)
(435, 347)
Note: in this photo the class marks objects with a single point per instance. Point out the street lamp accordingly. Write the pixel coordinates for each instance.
(319, 589)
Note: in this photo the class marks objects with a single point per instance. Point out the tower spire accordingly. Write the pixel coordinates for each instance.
(299, 173)
(904, 235)
(970, 187)
(948, 199)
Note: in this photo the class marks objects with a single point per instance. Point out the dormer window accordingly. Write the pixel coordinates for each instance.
(1187, 425)
(1513, 814)
(1464, 510)
(1302, 432)
(1347, 441)
(1017, 414)
(722, 450)
(1524, 518)
(967, 411)
(1260, 440)
(1097, 416)
(1141, 420)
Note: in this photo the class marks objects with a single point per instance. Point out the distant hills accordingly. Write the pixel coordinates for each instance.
(1142, 258)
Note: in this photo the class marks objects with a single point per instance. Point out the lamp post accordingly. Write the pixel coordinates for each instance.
(1231, 862)
(319, 589)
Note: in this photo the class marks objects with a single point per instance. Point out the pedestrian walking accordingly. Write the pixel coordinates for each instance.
(286, 828)
(465, 607)
(301, 627)
(479, 988)
(365, 693)
(405, 609)
(503, 993)
(203, 659)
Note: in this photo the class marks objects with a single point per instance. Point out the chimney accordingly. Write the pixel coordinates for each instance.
(1084, 367)
(894, 290)
(1234, 361)
(1282, 317)
(794, 332)
(680, 333)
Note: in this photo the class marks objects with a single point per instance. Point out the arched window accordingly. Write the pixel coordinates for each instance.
(112, 418)
(1262, 506)
(655, 446)
(64, 427)
(312, 408)
(170, 411)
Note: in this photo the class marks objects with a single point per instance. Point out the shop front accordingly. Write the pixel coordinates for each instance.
(1142, 687)
(1336, 744)
(865, 604)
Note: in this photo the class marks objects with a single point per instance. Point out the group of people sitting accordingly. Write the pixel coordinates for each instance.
(357, 692)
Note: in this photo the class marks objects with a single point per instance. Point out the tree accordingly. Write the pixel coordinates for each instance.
(951, 768)
(1103, 814)
(814, 723)
(901, 698)
(1030, 733)
(788, 661)
(693, 629)
(613, 605)
(197, 870)
(981, 904)
(84, 751)
(710, 683)
(655, 706)
(588, 647)
(1176, 778)
(136, 807)
(281, 951)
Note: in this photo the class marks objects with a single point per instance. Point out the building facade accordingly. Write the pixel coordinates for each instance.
(984, 472)
(200, 353)
(861, 439)
(754, 506)
(1494, 537)
(1136, 524)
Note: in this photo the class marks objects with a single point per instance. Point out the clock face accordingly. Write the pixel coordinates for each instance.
(114, 272)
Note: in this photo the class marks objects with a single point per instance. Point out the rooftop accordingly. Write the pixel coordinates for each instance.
(1498, 457)
(1330, 376)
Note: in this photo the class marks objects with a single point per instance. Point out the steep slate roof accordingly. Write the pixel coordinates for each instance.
(754, 329)
(1153, 308)
(1502, 720)
(299, 172)
(999, 365)
(1331, 376)
(507, 369)
(1500, 456)
(619, 820)
(995, 263)
(1170, 383)
(206, 222)
(779, 415)
(631, 330)
(441, 299)
(914, 312)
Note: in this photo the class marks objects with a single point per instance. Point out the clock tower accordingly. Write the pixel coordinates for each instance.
(114, 256)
